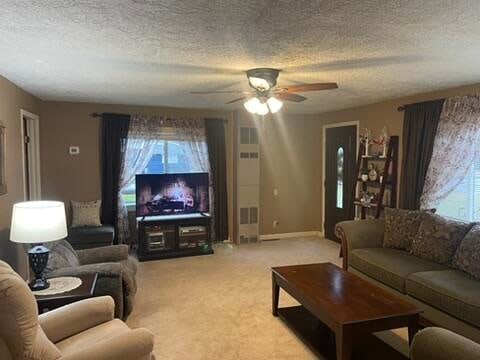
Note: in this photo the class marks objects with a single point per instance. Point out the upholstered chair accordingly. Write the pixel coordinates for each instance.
(435, 343)
(82, 330)
(115, 268)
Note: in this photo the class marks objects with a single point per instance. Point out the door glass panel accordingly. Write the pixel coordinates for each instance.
(340, 178)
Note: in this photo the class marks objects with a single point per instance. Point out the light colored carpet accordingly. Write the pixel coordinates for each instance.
(219, 306)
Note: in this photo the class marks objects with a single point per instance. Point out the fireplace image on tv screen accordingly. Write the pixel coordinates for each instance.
(171, 194)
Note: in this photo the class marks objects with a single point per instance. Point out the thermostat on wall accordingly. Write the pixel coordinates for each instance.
(74, 150)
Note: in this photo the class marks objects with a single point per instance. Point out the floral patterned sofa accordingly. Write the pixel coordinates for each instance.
(431, 261)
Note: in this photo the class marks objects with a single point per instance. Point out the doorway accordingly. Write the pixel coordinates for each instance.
(31, 155)
(340, 150)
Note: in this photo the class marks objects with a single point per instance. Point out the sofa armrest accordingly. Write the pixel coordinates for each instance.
(110, 269)
(103, 254)
(440, 344)
(135, 344)
(359, 234)
(74, 318)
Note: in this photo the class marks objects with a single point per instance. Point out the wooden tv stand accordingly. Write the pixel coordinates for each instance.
(161, 237)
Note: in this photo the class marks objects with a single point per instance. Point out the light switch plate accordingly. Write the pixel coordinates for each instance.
(74, 150)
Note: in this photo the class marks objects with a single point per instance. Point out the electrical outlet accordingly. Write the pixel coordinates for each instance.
(275, 223)
(74, 150)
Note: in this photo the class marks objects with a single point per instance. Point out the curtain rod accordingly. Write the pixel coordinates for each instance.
(403, 107)
(99, 115)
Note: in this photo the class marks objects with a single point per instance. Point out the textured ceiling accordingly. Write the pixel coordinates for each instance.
(149, 52)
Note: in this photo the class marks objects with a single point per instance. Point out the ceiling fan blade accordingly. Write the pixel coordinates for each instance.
(235, 100)
(290, 97)
(222, 92)
(308, 87)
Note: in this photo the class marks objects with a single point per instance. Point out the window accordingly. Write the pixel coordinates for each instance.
(464, 202)
(168, 157)
(340, 178)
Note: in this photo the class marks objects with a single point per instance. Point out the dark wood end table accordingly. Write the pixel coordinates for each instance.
(348, 305)
(84, 291)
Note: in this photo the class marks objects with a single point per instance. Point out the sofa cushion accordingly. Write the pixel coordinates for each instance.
(390, 266)
(467, 257)
(401, 227)
(91, 236)
(438, 238)
(86, 213)
(451, 291)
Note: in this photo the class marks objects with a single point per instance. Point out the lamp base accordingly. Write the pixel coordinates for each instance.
(39, 284)
(38, 258)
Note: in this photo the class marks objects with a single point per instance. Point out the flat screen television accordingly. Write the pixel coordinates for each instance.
(171, 194)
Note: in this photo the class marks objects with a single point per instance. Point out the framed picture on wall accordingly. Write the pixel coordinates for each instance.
(3, 160)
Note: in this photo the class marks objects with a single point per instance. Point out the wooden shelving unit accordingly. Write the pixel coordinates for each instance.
(389, 180)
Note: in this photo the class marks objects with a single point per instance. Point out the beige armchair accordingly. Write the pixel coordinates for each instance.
(82, 330)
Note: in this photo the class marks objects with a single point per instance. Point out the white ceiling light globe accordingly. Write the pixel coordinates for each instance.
(262, 109)
(274, 104)
(259, 83)
(251, 105)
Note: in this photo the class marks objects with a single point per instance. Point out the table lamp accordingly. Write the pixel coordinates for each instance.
(38, 222)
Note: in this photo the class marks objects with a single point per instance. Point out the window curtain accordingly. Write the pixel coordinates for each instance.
(114, 134)
(420, 125)
(215, 137)
(454, 150)
(140, 147)
(144, 134)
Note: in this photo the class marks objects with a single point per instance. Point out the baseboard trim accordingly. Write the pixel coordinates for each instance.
(291, 235)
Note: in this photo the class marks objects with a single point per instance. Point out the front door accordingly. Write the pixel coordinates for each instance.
(340, 157)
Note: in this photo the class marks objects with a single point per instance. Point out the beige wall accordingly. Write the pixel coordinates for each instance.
(291, 142)
(63, 124)
(291, 154)
(12, 100)
(291, 163)
(375, 116)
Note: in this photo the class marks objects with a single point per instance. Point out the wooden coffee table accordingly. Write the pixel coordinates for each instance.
(348, 305)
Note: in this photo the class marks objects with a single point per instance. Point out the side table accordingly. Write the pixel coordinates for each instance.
(86, 290)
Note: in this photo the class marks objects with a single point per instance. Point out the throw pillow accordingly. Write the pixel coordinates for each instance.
(438, 238)
(467, 257)
(61, 255)
(401, 227)
(86, 213)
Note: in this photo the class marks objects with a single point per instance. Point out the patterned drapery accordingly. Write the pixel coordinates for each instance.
(138, 153)
(456, 145)
(144, 133)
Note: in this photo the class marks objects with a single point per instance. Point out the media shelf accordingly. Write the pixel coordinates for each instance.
(162, 237)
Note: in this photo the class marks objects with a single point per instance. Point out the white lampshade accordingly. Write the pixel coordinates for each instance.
(38, 222)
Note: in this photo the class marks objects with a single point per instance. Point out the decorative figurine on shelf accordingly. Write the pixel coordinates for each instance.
(383, 141)
(366, 197)
(366, 139)
(372, 172)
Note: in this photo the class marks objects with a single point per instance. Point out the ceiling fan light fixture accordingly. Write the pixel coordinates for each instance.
(262, 109)
(274, 104)
(251, 105)
(255, 106)
(259, 83)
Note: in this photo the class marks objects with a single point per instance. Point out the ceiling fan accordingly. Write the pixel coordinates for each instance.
(266, 96)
